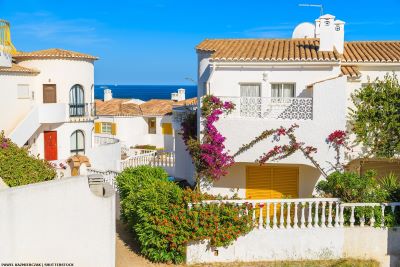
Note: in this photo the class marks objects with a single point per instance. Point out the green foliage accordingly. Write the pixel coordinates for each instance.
(149, 147)
(156, 210)
(19, 167)
(351, 187)
(376, 116)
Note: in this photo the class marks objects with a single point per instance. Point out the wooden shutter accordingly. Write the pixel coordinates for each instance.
(113, 128)
(264, 182)
(167, 128)
(97, 127)
(49, 93)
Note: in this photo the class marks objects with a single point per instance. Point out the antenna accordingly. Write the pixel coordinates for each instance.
(321, 7)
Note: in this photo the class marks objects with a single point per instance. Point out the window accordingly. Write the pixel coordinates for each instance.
(23, 91)
(282, 90)
(166, 128)
(250, 90)
(77, 143)
(106, 127)
(152, 125)
(76, 101)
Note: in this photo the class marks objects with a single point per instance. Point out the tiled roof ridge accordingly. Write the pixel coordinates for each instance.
(15, 68)
(53, 53)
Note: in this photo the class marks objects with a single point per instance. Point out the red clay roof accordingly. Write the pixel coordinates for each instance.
(153, 107)
(52, 53)
(298, 50)
(15, 68)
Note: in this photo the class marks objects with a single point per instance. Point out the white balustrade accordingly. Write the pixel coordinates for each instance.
(291, 108)
(108, 176)
(151, 158)
(279, 210)
(104, 140)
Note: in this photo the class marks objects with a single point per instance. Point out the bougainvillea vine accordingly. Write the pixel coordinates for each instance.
(209, 156)
(338, 139)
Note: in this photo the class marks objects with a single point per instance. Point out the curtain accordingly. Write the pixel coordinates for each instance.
(250, 90)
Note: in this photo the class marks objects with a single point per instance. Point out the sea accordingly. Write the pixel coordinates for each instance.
(144, 92)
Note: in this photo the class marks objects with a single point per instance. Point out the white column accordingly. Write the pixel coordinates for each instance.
(268, 225)
(323, 215)
(274, 220)
(337, 215)
(303, 218)
(309, 219)
(330, 214)
(260, 219)
(352, 219)
(295, 219)
(288, 222)
(281, 218)
(316, 218)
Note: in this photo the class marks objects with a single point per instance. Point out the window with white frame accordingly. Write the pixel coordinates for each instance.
(23, 91)
(250, 90)
(106, 127)
(283, 90)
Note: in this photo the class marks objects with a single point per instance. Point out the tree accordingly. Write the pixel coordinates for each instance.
(375, 118)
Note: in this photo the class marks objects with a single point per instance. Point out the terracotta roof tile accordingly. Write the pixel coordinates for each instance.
(351, 71)
(15, 68)
(52, 53)
(153, 107)
(266, 50)
(298, 50)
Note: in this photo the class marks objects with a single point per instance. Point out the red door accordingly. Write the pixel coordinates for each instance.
(50, 145)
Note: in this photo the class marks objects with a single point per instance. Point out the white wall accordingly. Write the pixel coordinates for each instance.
(302, 244)
(13, 110)
(64, 132)
(184, 168)
(59, 221)
(105, 157)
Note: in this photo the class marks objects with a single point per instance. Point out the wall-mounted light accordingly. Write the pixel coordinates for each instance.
(265, 76)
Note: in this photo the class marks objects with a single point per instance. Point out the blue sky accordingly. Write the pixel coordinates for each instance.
(152, 41)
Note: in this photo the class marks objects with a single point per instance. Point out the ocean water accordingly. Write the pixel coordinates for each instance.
(144, 92)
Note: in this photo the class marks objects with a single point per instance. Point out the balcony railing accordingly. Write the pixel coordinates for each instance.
(289, 108)
(103, 140)
(82, 110)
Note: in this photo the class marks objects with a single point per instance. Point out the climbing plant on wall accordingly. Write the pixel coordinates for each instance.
(209, 156)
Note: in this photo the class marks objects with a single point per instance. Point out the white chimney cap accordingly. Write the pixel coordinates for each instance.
(339, 22)
(327, 16)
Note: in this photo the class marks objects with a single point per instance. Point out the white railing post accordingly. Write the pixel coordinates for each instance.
(352, 219)
(303, 218)
(288, 222)
(309, 220)
(253, 205)
(372, 220)
(383, 216)
(330, 214)
(267, 220)
(260, 219)
(275, 219)
(323, 219)
(341, 219)
(316, 218)
(281, 218)
(295, 219)
(337, 214)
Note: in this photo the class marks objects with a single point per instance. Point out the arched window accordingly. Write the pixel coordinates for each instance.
(76, 101)
(77, 143)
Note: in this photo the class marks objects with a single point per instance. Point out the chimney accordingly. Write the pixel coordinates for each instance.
(339, 36)
(174, 96)
(327, 33)
(181, 94)
(107, 94)
(317, 28)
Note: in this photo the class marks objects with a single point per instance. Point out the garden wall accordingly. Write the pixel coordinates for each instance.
(59, 221)
(303, 244)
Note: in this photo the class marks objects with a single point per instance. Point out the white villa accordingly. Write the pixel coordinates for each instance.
(306, 80)
(48, 101)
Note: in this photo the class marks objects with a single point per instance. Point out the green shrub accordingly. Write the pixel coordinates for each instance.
(149, 147)
(19, 167)
(156, 210)
(352, 187)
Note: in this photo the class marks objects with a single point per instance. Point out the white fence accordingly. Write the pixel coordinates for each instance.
(306, 229)
(291, 108)
(307, 212)
(109, 176)
(165, 160)
(104, 140)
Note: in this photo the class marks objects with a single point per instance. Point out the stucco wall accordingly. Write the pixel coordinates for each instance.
(59, 221)
(303, 244)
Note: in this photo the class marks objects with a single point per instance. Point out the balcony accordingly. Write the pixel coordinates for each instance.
(81, 111)
(285, 108)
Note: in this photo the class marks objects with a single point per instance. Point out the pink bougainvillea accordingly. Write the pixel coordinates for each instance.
(338, 139)
(209, 156)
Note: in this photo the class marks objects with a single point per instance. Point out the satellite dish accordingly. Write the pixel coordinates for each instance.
(304, 30)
